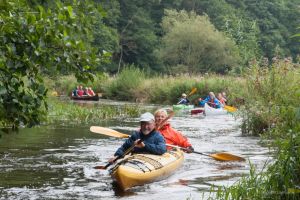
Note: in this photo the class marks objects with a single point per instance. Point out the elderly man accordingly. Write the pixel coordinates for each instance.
(146, 140)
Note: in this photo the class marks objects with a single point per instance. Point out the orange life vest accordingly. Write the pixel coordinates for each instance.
(174, 137)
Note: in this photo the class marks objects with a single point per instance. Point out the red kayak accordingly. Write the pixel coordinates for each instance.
(197, 111)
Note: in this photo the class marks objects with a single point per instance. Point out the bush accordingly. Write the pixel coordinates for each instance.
(124, 85)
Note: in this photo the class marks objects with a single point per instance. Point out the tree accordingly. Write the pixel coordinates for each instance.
(35, 38)
(231, 19)
(137, 34)
(192, 43)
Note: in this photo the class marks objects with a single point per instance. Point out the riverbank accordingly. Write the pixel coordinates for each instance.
(72, 113)
(272, 111)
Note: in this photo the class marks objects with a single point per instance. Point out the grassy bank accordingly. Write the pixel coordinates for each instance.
(271, 109)
(66, 113)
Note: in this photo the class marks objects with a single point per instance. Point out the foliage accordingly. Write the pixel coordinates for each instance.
(268, 93)
(258, 27)
(233, 22)
(35, 38)
(61, 113)
(132, 84)
(192, 41)
(282, 118)
(124, 85)
(137, 34)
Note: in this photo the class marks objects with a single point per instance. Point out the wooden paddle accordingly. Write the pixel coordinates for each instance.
(217, 156)
(108, 132)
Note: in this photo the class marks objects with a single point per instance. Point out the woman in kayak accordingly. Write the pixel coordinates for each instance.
(221, 99)
(172, 136)
(211, 100)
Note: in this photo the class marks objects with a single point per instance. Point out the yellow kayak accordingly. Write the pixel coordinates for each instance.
(138, 169)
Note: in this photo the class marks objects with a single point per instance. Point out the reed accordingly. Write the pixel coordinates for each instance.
(271, 109)
(66, 113)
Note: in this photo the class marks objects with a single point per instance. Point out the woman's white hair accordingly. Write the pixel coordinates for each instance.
(160, 111)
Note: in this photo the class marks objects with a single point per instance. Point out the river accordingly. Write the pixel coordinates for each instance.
(57, 162)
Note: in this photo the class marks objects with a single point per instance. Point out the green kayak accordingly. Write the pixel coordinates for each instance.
(182, 107)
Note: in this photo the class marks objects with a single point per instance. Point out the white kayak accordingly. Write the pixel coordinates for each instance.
(214, 111)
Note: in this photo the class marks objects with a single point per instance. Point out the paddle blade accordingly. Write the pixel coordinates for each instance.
(226, 157)
(230, 108)
(193, 91)
(108, 132)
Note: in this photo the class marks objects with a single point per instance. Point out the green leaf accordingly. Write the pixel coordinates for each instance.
(86, 67)
(2, 90)
(70, 11)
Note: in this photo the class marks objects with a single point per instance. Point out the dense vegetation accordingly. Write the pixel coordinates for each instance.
(159, 41)
(36, 39)
(41, 39)
(272, 97)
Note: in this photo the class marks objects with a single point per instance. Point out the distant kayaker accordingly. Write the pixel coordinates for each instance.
(152, 141)
(91, 92)
(211, 100)
(183, 100)
(171, 135)
(221, 99)
(224, 96)
(74, 92)
(86, 91)
(80, 91)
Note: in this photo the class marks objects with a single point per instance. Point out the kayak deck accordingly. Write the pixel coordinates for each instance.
(138, 169)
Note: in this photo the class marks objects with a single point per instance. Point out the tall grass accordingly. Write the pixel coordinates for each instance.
(272, 109)
(133, 84)
(66, 113)
(124, 85)
(269, 92)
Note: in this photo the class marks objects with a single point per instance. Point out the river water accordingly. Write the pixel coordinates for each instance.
(57, 163)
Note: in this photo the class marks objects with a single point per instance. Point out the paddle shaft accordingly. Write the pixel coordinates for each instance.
(186, 149)
(118, 157)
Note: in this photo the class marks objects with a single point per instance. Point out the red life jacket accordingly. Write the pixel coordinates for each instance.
(90, 92)
(80, 93)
